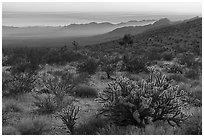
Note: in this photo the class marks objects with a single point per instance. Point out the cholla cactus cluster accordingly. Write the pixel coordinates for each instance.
(128, 102)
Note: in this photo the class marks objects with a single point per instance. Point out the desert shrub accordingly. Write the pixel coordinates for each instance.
(33, 126)
(10, 130)
(127, 40)
(45, 104)
(190, 60)
(193, 126)
(61, 56)
(24, 67)
(12, 105)
(19, 83)
(135, 64)
(90, 66)
(128, 102)
(196, 83)
(168, 55)
(5, 117)
(91, 126)
(62, 86)
(175, 68)
(154, 53)
(85, 91)
(109, 64)
(176, 77)
(132, 77)
(69, 116)
(196, 96)
(191, 73)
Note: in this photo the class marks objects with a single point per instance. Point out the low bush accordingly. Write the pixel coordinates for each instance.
(45, 104)
(61, 56)
(19, 83)
(62, 86)
(187, 59)
(193, 126)
(133, 77)
(175, 68)
(176, 77)
(168, 56)
(85, 91)
(154, 53)
(90, 66)
(10, 130)
(33, 126)
(195, 94)
(109, 64)
(135, 64)
(91, 127)
(11, 105)
(192, 74)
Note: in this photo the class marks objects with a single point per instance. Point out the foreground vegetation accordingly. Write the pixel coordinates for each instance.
(144, 84)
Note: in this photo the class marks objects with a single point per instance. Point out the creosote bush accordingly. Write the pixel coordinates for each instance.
(167, 55)
(89, 65)
(19, 83)
(193, 126)
(128, 102)
(33, 126)
(85, 91)
(12, 105)
(61, 86)
(46, 104)
(134, 64)
(10, 130)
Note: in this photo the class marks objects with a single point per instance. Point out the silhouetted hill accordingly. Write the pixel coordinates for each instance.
(133, 30)
(161, 22)
(94, 28)
(185, 36)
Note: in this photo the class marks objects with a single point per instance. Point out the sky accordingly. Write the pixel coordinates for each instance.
(156, 7)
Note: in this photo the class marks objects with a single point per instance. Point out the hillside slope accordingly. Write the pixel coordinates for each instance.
(185, 36)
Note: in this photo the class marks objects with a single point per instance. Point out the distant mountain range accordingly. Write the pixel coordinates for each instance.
(84, 34)
(72, 30)
(94, 28)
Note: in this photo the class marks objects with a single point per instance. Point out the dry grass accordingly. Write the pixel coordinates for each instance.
(33, 126)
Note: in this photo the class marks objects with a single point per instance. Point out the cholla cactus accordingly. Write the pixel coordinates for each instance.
(69, 116)
(127, 102)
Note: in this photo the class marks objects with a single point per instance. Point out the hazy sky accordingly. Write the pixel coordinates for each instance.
(158, 7)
